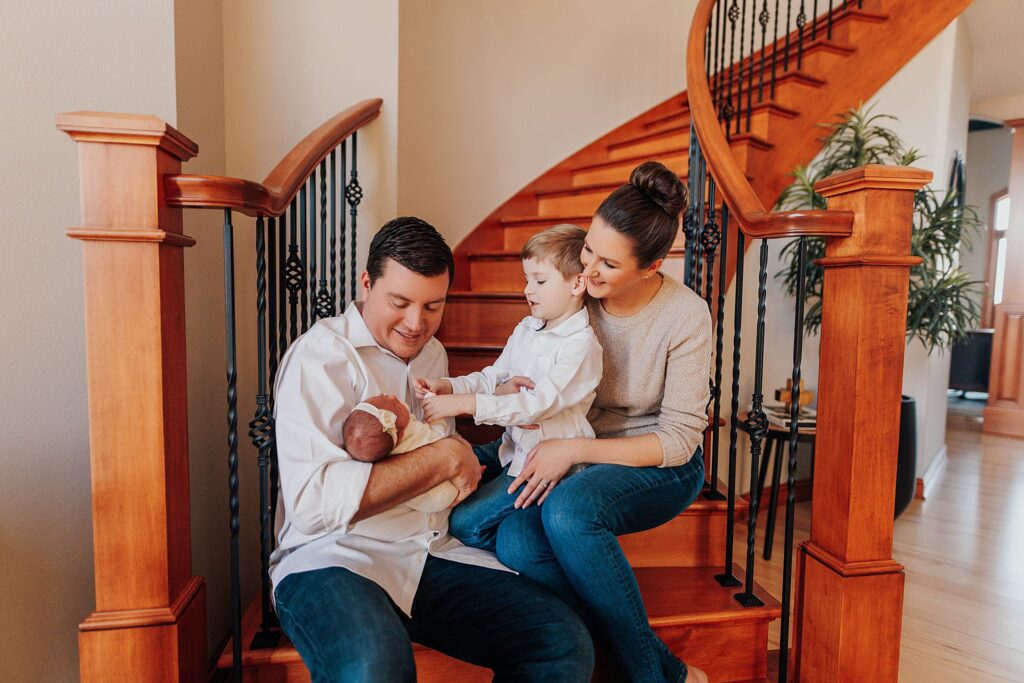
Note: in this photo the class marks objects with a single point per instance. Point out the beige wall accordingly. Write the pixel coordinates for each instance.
(495, 93)
(988, 171)
(114, 55)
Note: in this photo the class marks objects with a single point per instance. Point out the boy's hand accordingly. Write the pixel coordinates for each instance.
(434, 386)
(513, 386)
(442, 407)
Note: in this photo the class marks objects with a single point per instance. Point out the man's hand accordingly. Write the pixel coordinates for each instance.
(466, 470)
(443, 407)
(433, 386)
(513, 385)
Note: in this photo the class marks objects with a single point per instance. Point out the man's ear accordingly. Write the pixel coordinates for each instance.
(364, 279)
(579, 286)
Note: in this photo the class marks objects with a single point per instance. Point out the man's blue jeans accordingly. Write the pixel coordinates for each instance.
(568, 544)
(346, 628)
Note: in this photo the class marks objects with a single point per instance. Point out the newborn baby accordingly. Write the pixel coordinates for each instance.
(382, 426)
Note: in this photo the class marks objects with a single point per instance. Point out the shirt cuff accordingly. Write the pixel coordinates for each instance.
(343, 488)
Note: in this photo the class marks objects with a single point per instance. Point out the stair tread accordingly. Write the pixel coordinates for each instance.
(674, 596)
(627, 160)
(683, 111)
(594, 187)
(508, 254)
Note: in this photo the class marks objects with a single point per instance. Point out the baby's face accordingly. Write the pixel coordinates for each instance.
(389, 402)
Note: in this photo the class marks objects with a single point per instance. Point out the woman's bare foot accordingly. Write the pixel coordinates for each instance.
(695, 675)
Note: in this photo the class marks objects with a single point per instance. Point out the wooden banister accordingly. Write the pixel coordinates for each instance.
(271, 197)
(754, 219)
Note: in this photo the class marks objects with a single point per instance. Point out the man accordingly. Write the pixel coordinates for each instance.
(358, 574)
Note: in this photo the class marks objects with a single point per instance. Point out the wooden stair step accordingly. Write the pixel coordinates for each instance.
(671, 120)
(502, 271)
(821, 51)
(649, 144)
(618, 170)
(516, 230)
(481, 317)
(697, 618)
(791, 88)
(578, 200)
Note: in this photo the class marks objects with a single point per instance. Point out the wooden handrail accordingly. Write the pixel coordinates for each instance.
(272, 196)
(746, 207)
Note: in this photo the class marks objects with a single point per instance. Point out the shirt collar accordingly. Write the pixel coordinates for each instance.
(573, 324)
(359, 334)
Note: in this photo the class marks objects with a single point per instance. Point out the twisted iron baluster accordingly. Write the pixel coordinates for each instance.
(763, 20)
(698, 202)
(775, 50)
(713, 64)
(728, 110)
(344, 233)
(354, 195)
(261, 433)
(721, 60)
(334, 236)
(750, 65)
(711, 238)
(787, 563)
(801, 21)
(757, 428)
(278, 345)
(726, 578)
(323, 296)
(312, 227)
(235, 597)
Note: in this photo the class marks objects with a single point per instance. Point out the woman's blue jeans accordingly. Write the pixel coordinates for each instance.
(568, 545)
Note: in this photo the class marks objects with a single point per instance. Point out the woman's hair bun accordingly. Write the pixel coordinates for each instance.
(661, 185)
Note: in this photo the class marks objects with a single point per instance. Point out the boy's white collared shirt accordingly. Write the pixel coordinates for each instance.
(326, 372)
(565, 364)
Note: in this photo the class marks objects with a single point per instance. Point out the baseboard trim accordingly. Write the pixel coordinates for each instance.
(926, 482)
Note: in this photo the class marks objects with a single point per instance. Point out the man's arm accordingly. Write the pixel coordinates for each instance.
(402, 477)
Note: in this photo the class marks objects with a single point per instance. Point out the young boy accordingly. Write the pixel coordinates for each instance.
(556, 348)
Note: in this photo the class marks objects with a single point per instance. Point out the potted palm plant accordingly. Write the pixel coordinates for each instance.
(942, 302)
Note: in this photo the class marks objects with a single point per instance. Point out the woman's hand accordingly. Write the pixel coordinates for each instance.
(545, 466)
(439, 387)
(442, 407)
(513, 386)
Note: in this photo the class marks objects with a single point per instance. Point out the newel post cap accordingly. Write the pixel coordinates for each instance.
(127, 129)
(874, 177)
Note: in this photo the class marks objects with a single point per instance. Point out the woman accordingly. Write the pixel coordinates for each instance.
(646, 465)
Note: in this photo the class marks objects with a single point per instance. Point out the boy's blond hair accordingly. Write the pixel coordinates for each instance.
(560, 246)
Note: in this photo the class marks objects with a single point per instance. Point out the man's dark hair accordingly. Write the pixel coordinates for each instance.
(412, 243)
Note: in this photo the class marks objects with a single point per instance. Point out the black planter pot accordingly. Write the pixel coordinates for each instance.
(906, 464)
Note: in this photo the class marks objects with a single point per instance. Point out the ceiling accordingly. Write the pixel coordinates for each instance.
(996, 30)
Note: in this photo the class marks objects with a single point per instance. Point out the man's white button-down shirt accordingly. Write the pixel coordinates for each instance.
(325, 373)
(565, 364)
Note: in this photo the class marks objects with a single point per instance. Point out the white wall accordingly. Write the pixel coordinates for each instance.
(495, 93)
(113, 55)
(988, 171)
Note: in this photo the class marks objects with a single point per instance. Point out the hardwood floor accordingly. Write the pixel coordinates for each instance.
(963, 549)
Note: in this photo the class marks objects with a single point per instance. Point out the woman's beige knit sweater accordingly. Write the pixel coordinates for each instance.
(656, 369)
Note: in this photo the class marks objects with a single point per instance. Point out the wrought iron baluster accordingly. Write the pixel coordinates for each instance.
(711, 238)
(757, 428)
(334, 236)
(787, 562)
(295, 272)
(304, 292)
(814, 20)
(232, 396)
(278, 343)
(727, 108)
(829, 31)
(324, 307)
(801, 21)
(789, 12)
(726, 578)
(738, 68)
(698, 223)
(762, 19)
(775, 50)
(354, 195)
(689, 220)
(311, 226)
(713, 61)
(344, 233)
(722, 19)
(261, 434)
(750, 65)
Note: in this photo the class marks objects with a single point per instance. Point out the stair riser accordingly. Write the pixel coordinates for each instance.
(681, 119)
(619, 173)
(506, 275)
(726, 652)
(693, 539)
(584, 202)
(482, 321)
(761, 120)
(515, 237)
(652, 147)
(853, 30)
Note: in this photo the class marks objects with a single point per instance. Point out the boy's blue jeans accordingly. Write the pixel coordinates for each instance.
(346, 628)
(475, 521)
(568, 545)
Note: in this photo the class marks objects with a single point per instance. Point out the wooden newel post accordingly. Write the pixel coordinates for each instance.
(850, 590)
(150, 618)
